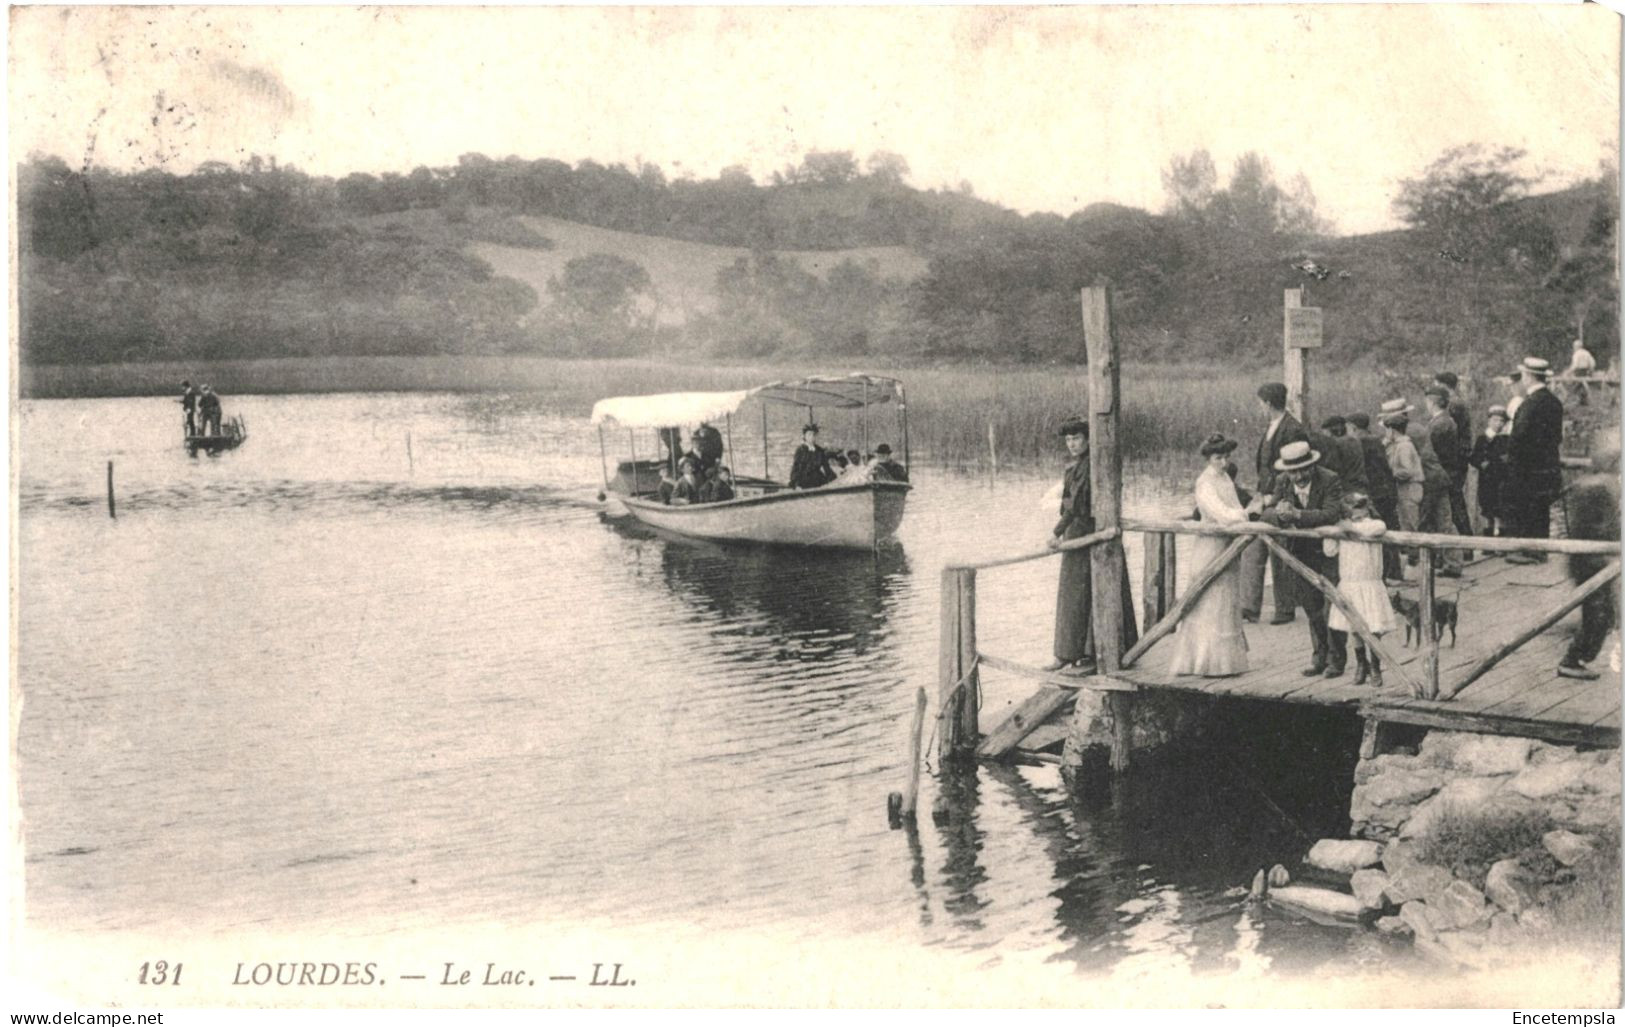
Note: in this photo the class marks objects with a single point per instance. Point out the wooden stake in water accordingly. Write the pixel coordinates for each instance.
(993, 447)
(912, 796)
(409, 468)
(111, 512)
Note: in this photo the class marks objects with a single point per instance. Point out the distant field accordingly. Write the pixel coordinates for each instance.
(684, 273)
(1166, 409)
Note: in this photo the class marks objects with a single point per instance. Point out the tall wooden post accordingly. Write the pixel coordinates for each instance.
(958, 706)
(1295, 363)
(1106, 491)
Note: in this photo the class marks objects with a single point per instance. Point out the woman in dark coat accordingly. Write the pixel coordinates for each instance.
(1074, 632)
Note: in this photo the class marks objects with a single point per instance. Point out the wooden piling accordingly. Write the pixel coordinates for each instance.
(1295, 362)
(993, 448)
(912, 795)
(409, 465)
(948, 666)
(1152, 579)
(970, 690)
(111, 511)
(1106, 494)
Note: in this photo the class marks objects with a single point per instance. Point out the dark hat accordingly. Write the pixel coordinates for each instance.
(883, 449)
(1074, 426)
(1438, 392)
(1273, 393)
(1448, 378)
(810, 426)
(687, 463)
(853, 455)
(1296, 456)
(1360, 421)
(1334, 422)
(186, 383)
(1217, 443)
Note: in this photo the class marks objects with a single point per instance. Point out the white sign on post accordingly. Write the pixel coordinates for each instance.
(1303, 327)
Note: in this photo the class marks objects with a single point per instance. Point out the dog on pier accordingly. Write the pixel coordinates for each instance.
(1410, 610)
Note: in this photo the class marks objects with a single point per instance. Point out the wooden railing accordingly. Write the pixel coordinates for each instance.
(958, 702)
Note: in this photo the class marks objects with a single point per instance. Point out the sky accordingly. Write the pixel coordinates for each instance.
(1038, 108)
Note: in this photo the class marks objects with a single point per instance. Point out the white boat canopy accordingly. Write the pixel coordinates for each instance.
(686, 409)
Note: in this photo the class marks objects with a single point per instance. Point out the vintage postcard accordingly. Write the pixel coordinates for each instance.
(554, 508)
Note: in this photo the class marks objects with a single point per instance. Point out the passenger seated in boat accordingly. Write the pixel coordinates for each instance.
(706, 443)
(718, 485)
(688, 486)
(672, 439)
(810, 468)
(856, 469)
(891, 469)
(668, 485)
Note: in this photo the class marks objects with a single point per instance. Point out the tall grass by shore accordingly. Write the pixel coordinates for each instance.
(1167, 409)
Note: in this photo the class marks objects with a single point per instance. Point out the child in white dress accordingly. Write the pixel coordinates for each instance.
(1359, 579)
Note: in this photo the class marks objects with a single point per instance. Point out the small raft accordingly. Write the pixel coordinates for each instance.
(232, 434)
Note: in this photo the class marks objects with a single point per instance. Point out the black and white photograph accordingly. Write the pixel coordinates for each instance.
(644, 507)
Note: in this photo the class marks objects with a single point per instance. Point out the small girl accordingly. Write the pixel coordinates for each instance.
(1359, 579)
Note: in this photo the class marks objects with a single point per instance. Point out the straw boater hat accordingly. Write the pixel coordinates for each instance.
(1536, 366)
(1295, 456)
(1217, 443)
(1394, 408)
(1497, 411)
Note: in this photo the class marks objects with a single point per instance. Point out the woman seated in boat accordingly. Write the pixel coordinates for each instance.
(856, 470)
(688, 486)
(810, 468)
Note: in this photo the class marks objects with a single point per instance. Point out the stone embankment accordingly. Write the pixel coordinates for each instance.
(1477, 846)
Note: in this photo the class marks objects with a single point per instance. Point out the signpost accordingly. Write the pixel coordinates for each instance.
(1303, 329)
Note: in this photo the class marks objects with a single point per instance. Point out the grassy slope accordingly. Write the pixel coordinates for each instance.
(684, 273)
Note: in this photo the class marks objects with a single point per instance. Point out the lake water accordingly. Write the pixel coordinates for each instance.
(318, 683)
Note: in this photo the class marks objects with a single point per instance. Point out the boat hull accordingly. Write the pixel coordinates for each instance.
(856, 516)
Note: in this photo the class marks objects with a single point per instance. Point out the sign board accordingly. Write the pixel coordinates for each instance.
(1303, 327)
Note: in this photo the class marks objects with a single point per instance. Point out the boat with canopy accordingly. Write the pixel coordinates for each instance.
(857, 514)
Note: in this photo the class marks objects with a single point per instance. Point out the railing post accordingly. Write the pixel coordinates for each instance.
(970, 698)
(1152, 578)
(1170, 568)
(1429, 640)
(1106, 496)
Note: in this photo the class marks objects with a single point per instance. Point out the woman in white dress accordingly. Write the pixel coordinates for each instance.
(1359, 578)
(1210, 642)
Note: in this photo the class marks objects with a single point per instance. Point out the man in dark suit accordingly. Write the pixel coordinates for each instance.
(810, 469)
(893, 470)
(1447, 449)
(1309, 496)
(1341, 453)
(1534, 464)
(1283, 430)
(1593, 508)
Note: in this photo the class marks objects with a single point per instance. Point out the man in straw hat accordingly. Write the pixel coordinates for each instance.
(1309, 496)
(1534, 464)
(1283, 429)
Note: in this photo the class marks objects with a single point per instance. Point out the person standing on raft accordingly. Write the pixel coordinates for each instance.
(1074, 629)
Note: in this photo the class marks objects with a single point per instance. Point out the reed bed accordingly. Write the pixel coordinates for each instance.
(1167, 409)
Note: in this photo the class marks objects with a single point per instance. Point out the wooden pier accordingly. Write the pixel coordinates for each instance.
(1499, 676)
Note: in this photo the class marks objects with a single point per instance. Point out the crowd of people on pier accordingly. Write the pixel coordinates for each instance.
(1355, 477)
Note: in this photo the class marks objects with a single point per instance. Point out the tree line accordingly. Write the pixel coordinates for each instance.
(262, 260)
